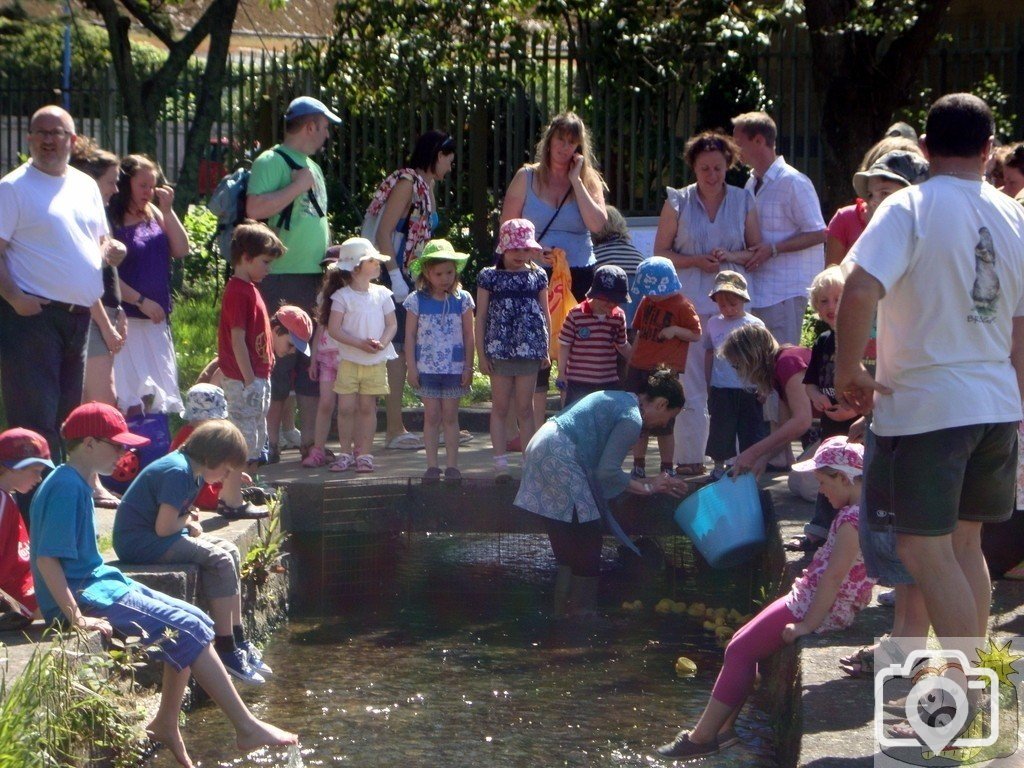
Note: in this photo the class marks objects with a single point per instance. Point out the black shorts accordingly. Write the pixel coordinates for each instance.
(291, 373)
(923, 484)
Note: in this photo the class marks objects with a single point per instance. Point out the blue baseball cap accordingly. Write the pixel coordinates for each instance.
(307, 105)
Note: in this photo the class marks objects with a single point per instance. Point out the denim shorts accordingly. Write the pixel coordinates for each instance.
(151, 613)
(446, 386)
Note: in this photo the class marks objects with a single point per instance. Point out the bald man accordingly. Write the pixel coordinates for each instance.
(53, 239)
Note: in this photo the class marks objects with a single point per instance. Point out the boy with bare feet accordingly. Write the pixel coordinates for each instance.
(74, 585)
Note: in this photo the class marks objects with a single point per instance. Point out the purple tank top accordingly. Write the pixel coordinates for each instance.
(147, 267)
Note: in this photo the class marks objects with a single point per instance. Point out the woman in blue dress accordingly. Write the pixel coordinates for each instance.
(573, 465)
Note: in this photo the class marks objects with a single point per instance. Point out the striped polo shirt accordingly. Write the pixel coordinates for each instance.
(592, 340)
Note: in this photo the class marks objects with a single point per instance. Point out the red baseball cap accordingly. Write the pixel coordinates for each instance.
(20, 448)
(101, 421)
(298, 324)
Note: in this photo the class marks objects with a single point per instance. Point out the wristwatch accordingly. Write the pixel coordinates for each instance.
(139, 301)
(775, 250)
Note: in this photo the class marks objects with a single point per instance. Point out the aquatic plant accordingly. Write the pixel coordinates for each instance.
(73, 706)
(265, 556)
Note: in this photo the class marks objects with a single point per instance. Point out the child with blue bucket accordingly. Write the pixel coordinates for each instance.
(826, 596)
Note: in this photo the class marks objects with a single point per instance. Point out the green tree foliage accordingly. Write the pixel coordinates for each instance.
(866, 59)
(34, 50)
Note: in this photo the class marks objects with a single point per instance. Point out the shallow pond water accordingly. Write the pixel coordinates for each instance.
(451, 673)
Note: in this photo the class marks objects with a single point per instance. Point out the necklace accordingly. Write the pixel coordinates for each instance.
(960, 175)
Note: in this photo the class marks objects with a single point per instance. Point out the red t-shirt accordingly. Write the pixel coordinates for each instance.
(243, 307)
(15, 571)
(651, 317)
(848, 223)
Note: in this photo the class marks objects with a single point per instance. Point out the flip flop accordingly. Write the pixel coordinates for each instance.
(465, 436)
(406, 441)
(105, 499)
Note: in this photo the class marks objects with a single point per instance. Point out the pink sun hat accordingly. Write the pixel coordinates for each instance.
(835, 453)
(516, 234)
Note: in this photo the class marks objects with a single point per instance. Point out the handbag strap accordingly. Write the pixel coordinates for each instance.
(555, 216)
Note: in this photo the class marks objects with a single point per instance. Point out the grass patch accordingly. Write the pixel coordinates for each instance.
(69, 708)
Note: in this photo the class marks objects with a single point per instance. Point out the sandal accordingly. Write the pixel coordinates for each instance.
(690, 470)
(860, 664)
(803, 544)
(406, 441)
(244, 511)
(104, 499)
(343, 462)
(315, 457)
(465, 436)
(364, 463)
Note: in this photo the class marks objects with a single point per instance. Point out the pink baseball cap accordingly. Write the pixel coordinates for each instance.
(835, 453)
(298, 325)
(518, 233)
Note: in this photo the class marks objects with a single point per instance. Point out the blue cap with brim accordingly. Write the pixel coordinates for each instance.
(28, 463)
(307, 105)
(299, 344)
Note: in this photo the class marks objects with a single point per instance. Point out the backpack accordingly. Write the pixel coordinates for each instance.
(227, 202)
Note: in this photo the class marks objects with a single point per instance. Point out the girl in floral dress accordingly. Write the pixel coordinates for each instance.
(439, 350)
(826, 596)
(512, 330)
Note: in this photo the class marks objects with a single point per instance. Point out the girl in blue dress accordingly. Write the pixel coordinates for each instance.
(439, 350)
(512, 330)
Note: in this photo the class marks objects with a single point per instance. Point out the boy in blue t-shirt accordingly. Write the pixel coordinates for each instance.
(155, 524)
(73, 584)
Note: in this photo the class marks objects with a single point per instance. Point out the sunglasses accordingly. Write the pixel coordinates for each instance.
(120, 448)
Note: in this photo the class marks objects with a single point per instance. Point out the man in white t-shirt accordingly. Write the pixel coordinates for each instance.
(793, 231)
(943, 263)
(53, 238)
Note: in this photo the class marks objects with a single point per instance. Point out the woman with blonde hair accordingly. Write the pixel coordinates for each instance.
(562, 194)
(768, 367)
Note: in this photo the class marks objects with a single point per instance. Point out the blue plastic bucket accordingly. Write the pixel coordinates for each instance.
(724, 520)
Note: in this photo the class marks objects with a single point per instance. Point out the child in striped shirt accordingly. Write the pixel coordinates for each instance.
(592, 336)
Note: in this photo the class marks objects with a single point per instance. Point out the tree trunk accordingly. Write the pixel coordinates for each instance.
(207, 106)
(862, 78)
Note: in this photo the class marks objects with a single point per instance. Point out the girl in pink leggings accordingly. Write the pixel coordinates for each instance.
(826, 596)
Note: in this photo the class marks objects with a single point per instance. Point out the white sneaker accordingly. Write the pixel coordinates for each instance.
(291, 438)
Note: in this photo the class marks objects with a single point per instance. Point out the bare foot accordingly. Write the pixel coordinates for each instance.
(259, 734)
(170, 737)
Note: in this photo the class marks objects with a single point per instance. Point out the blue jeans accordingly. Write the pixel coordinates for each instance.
(42, 365)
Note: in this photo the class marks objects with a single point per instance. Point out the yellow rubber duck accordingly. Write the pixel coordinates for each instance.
(685, 667)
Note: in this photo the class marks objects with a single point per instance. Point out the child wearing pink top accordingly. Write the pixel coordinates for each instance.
(826, 596)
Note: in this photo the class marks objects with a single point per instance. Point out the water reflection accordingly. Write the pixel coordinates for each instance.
(452, 677)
